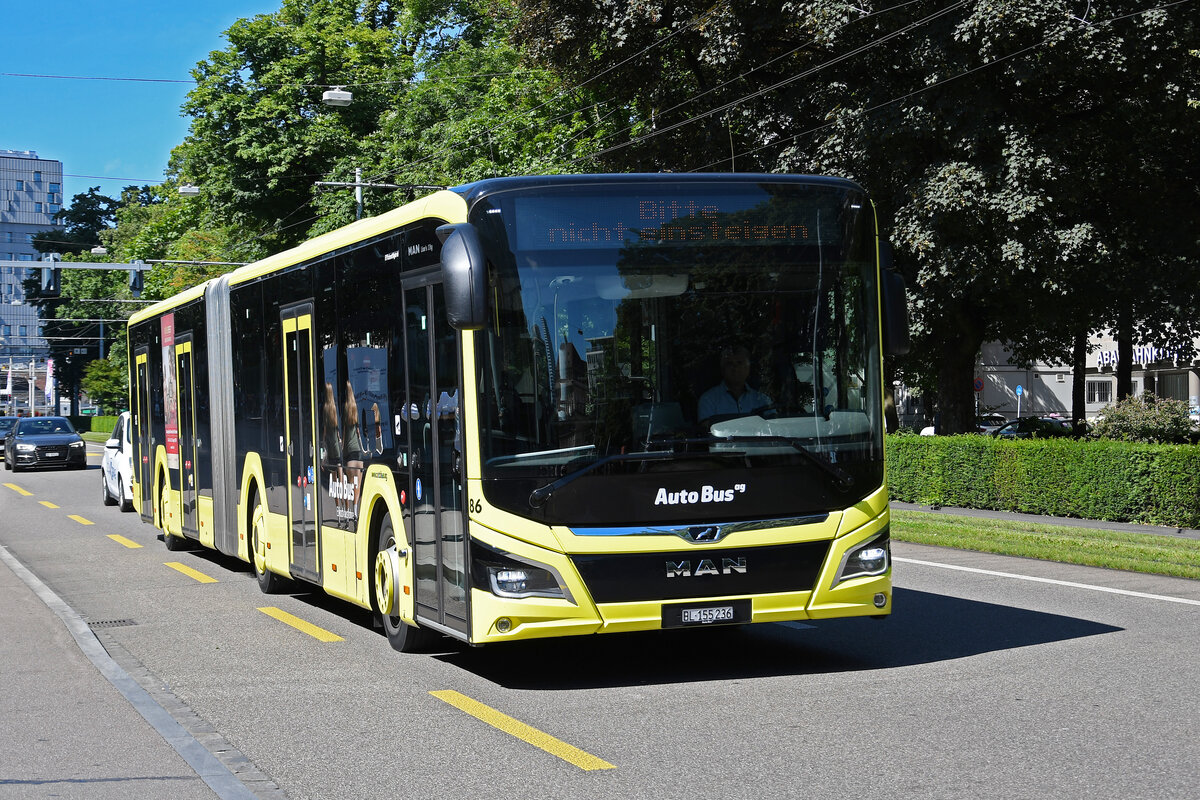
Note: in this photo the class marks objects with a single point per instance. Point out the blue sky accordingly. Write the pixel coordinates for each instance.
(122, 132)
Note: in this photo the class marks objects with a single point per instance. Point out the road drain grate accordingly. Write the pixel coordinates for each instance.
(111, 623)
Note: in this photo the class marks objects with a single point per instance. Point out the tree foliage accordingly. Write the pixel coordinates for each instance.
(260, 138)
(106, 382)
(82, 219)
(1030, 165)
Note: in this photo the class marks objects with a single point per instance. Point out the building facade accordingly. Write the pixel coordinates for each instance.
(1005, 387)
(30, 195)
(1046, 388)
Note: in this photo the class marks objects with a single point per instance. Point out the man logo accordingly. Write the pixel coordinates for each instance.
(729, 566)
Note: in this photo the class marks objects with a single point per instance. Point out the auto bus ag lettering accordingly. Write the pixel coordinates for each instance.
(707, 494)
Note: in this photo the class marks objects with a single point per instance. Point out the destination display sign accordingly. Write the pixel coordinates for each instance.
(605, 221)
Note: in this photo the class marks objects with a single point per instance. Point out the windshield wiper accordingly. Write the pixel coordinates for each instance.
(844, 479)
(539, 496)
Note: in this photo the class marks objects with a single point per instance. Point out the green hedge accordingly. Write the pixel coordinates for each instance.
(94, 424)
(1115, 481)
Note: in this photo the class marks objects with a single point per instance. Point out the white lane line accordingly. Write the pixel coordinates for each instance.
(1094, 588)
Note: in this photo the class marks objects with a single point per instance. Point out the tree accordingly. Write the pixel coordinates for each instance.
(107, 383)
(994, 135)
(440, 98)
(260, 137)
(83, 219)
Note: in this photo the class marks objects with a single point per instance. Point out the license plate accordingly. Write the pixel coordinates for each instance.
(703, 616)
(51, 454)
(689, 614)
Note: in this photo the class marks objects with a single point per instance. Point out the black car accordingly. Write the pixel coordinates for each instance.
(5, 424)
(1034, 428)
(43, 442)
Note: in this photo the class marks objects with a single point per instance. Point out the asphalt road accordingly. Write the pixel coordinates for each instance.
(995, 677)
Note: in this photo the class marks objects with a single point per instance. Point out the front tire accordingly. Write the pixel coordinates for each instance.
(126, 505)
(400, 635)
(268, 581)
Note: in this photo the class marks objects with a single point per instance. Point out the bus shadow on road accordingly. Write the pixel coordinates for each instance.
(926, 628)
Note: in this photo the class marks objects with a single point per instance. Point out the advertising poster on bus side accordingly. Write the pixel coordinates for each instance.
(170, 398)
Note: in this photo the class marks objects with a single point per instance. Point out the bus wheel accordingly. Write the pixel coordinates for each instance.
(400, 635)
(268, 581)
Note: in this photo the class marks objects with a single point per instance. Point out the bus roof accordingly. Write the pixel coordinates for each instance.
(447, 205)
(473, 191)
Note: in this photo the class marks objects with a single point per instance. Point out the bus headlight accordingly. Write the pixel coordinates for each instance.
(872, 557)
(506, 575)
(524, 582)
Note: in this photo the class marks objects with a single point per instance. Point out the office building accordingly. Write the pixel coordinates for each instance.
(30, 195)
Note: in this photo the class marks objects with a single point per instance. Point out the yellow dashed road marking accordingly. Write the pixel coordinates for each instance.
(47, 504)
(80, 519)
(132, 545)
(19, 490)
(301, 625)
(191, 573)
(555, 747)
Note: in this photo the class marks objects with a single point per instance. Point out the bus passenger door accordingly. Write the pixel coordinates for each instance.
(438, 524)
(300, 448)
(144, 441)
(186, 403)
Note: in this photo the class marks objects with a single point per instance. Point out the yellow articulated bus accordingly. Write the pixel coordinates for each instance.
(542, 406)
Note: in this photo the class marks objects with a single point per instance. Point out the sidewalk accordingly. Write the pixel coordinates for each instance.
(73, 723)
(1071, 522)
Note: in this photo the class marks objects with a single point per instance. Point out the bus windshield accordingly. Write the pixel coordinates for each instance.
(699, 352)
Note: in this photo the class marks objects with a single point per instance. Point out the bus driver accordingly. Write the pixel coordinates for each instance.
(732, 396)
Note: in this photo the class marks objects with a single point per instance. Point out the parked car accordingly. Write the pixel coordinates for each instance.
(43, 442)
(987, 423)
(1034, 428)
(116, 468)
(5, 424)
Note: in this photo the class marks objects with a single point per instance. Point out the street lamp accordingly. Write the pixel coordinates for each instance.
(337, 96)
(188, 190)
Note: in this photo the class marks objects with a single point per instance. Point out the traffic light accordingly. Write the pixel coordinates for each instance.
(136, 282)
(51, 282)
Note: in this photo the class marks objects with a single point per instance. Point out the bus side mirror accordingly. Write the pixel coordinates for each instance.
(464, 270)
(895, 304)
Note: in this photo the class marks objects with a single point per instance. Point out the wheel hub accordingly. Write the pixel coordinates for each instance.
(387, 571)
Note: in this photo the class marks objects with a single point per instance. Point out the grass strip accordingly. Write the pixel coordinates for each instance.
(1137, 552)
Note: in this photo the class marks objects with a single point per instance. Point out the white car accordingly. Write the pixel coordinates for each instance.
(116, 470)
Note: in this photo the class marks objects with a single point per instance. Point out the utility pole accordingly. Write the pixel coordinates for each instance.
(358, 186)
